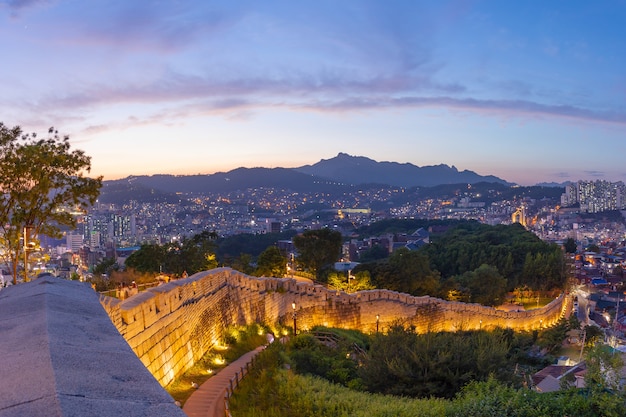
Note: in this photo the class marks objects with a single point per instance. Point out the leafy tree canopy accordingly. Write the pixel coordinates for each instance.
(187, 256)
(271, 263)
(317, 248)
(570, 245)
(42, 183)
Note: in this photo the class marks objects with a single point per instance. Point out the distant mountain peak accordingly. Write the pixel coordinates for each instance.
(343, 172)
(362, 170)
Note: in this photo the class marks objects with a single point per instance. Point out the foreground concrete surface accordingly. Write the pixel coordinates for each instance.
(60, 355)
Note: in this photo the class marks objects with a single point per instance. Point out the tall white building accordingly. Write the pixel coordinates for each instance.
(73, 242)
(595, 196)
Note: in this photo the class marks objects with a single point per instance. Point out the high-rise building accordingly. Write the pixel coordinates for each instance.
(74, 242)
(595, 196)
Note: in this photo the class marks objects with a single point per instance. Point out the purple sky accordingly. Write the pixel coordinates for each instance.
(529, 91)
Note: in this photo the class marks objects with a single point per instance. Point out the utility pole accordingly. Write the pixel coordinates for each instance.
(582, 347)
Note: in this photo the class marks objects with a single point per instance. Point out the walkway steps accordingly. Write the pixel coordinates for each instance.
(208, 400)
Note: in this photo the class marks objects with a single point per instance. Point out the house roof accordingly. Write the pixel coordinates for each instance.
(548, 384)
(554, 371)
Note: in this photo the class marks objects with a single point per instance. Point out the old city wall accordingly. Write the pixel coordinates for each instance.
(173, 325)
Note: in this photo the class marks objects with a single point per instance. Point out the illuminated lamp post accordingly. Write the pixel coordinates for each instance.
(29, 246)
(295, 328)
(377, 320)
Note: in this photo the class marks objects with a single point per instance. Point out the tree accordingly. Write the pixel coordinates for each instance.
(603, 368)
(271, 263)
(242, 263)
(374, 253)
(593, 334)
(486, 285)
(42, 183)
(197, 254)
(105, 266)
(317, 248)
(570, 245)
(352, 283)
(149, 258)
(593, 248)
(190, 255)
(411, 273)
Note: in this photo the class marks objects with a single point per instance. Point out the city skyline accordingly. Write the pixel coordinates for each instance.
(528, 92)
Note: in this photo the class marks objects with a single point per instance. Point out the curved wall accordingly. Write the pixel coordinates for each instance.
(171, 326)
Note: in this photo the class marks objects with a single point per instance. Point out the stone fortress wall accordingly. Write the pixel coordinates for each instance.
(172, 326)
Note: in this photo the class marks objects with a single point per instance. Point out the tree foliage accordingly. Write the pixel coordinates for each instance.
(473, 262)
(405, 271)
(253, 244)
(570, 245)
(519, 255)
(317, 248)
(271, 263)
(149, 258)
(105, 266)
(360, 281)
(603, 368)
(485, 285)
(189, 256)
(404, 363)
(42, 183)
(271, 389)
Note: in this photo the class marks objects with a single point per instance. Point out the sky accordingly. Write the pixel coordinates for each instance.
(529, 91)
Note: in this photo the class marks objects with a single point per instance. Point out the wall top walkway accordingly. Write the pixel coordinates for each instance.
(60, 355)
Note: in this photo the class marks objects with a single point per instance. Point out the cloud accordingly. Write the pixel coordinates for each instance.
(181, 94)
(593, 173)
(22, 4)
(15, 7)
(511, 107)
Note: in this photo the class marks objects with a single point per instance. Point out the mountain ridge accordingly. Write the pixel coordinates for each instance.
(340, 173)
(360, 169)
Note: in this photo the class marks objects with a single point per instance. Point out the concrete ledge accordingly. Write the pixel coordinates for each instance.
(60, 355)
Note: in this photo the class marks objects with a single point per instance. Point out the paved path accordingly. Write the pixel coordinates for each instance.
(208, 400)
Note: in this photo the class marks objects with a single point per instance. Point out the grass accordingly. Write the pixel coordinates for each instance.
(181, 389)
(532, 303)
(237, 342)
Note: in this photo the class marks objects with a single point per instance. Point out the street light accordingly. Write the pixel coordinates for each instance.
(29, 246)
(377, 319)
(293, 307)
(350, 276)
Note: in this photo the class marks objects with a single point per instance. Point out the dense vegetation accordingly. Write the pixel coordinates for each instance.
(179, 258)
(472, 262)
(518, 255)
(317, 249)
(461, 374)
(405, 363)
(277, 386)
(232, 247)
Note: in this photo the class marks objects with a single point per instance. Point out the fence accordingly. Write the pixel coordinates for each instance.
(234, 383)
